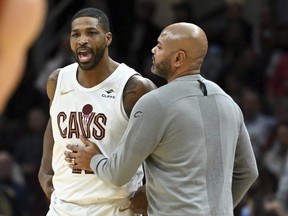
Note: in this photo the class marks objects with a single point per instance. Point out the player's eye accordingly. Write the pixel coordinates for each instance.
(92, 33)
(74, 35)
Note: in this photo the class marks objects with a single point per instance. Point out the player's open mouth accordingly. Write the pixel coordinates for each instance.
(84, 55)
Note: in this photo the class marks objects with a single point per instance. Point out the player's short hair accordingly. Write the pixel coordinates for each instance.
(94, 13)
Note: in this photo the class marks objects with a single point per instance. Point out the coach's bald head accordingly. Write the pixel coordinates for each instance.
(181, 48)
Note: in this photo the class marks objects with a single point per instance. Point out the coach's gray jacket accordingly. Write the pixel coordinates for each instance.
(197, 152)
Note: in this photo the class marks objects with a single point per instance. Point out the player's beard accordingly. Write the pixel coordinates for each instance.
(97, 55)
(162, 68)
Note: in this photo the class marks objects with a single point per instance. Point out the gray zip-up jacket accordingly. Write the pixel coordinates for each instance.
(197, 151)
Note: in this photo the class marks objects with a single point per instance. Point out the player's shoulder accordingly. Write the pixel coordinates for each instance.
(52, 83)
(140, 83)
(135, 88)
(53, 77)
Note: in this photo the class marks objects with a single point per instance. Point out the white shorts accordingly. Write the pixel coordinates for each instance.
(112, 208)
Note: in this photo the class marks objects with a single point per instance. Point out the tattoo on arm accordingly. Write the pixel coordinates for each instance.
(130, 88)
(130, 94)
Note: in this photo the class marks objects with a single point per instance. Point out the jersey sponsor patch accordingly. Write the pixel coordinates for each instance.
(109, 94)
(109, 91)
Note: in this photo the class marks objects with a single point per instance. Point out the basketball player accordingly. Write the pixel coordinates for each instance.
(20, 24)
(92, 98)
(191, 134)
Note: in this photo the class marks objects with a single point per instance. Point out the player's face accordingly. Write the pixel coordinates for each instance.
(88, 42)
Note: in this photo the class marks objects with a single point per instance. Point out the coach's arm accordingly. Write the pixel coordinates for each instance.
(245, 168)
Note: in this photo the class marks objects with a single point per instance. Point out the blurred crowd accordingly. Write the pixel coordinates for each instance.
(247, 57)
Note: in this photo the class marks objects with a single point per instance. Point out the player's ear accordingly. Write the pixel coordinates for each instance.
(108, 38)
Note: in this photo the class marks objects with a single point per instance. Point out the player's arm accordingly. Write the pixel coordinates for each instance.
(46, 172)
(135, 88)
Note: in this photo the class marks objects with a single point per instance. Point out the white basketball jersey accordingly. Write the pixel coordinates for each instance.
(98, 114)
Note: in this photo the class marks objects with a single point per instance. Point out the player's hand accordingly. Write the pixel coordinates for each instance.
(80, 157)
(47, 186)
(139, 203)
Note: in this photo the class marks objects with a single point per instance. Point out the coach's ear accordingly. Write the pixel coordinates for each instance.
(180, 58)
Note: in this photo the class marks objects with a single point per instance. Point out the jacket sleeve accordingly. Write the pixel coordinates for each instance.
(245, 170)
(141, 137)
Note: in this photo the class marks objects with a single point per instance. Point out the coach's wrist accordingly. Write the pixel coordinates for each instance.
(95, 161)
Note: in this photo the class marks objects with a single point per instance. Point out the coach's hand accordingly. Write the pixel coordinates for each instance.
(80, 157)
